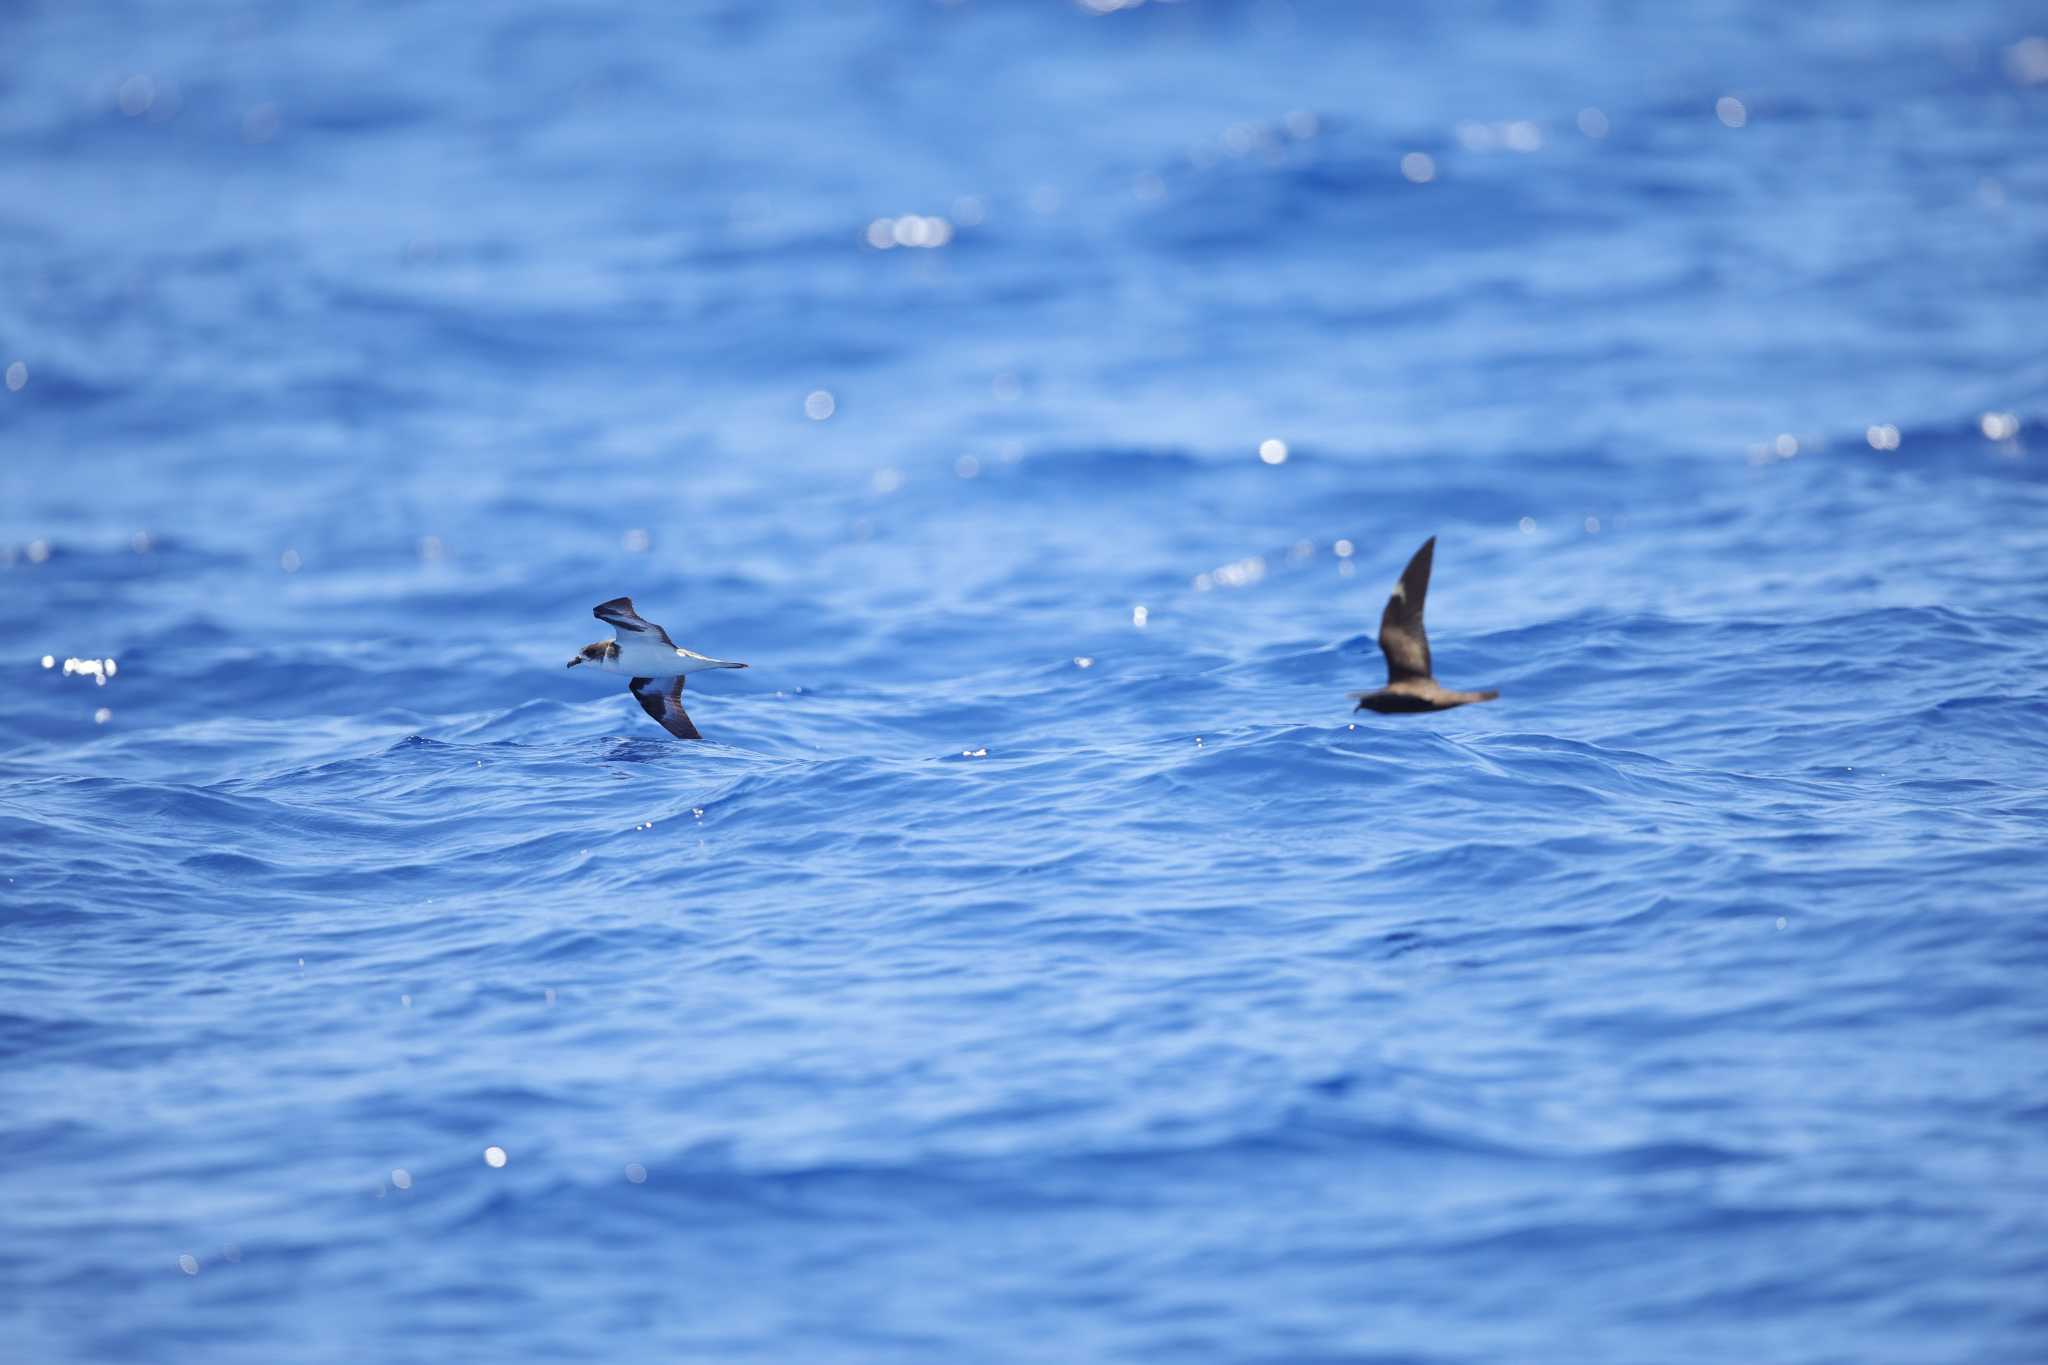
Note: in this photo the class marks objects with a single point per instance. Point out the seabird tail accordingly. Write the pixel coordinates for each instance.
(700, 662)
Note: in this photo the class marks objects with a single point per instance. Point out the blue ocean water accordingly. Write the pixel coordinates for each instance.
(1039, 961)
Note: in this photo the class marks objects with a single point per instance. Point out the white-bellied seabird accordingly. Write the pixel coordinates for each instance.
(1409, 684)
(654, 663)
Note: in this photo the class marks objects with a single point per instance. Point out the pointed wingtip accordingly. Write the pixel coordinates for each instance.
(1415, 574)
(1424, 559)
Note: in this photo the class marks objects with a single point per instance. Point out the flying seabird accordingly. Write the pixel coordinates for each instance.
(1409, 684)
(655, 663)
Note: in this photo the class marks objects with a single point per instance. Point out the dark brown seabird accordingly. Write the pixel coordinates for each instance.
(656, 663)
(1410, 687)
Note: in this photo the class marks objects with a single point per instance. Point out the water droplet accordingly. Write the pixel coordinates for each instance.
(2026, 61)
(135, 96)
(260, 124)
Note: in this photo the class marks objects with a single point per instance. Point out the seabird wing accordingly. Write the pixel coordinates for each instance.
(627, 623)
(662, 698)
(1402, 638)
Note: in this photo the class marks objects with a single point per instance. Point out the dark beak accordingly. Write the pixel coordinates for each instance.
(575, 661)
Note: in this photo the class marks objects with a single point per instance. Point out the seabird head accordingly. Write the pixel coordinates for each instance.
(593, 653)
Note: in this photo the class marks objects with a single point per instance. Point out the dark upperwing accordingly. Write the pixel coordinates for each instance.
(1402, 638)
(619, 614)
(663, 700)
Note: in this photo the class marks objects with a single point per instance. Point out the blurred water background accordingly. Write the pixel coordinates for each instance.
(1039, 961)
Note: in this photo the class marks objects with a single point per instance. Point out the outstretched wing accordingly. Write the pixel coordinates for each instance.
(620, 616)
(662, 698)
(1402, 638)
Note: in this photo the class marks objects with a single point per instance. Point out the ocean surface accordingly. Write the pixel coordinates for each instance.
(1039, 961)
